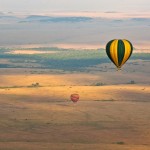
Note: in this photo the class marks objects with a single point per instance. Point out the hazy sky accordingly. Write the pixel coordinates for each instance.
(75, 5)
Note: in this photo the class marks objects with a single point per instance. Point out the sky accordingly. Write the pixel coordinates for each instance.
(74, 5)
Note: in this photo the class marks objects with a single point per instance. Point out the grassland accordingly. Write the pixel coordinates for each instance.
(112, 113)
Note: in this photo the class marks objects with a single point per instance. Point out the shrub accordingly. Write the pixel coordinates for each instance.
(132, 82)
(99, 84)
(35, 84)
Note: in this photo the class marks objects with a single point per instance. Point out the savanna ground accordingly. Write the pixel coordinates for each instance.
(35, 108)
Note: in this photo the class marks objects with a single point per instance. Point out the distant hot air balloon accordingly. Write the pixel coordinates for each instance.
(74, 97)
(119, 51)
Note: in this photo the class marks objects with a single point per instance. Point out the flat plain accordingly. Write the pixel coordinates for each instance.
(36, 112)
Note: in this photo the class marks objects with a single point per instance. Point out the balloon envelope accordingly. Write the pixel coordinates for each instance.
(74, 97)
(119, 51)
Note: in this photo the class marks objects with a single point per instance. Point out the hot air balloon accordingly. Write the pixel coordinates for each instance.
(119, 51)
(74, 97)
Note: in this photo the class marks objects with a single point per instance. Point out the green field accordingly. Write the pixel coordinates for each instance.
(62, 59)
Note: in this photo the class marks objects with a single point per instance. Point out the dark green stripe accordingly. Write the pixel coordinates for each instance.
(108, 50)
(121, 51)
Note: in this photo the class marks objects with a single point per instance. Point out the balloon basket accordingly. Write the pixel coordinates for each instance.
(118, 69)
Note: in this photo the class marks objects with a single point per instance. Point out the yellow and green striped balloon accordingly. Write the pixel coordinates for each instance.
(119, 51)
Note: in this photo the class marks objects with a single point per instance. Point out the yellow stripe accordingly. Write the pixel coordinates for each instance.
(127, 51)
(114, 52)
